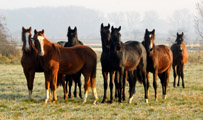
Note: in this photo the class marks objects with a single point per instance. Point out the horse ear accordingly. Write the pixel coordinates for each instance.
(112, 28)
(42, 31)
(30, 28)
(69, 28)
(23, 28)
(153, 31)
(119, 28)
(108, 25)
(146, 31)
(102, 25)
(75, 29)
(182, 34)
(35, 31)
(177, 33)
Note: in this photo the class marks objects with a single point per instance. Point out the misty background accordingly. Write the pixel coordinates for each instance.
(55, 22)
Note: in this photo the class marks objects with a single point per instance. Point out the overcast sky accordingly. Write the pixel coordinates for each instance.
(164, 7)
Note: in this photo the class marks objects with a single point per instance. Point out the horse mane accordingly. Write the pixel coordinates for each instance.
(57, 48)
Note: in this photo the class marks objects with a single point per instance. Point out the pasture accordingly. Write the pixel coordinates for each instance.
(180, 103)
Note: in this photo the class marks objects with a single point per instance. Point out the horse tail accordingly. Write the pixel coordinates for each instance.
(60, 80)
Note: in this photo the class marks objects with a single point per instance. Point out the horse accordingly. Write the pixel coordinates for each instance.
(65, 60)
(30, 62)
(125, 58)
(180, 57)
(73, 41)
(106, 63)
(159, 61)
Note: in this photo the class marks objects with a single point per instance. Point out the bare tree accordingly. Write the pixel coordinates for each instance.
(199, 19)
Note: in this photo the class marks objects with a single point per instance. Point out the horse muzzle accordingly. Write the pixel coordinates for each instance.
(41, 53)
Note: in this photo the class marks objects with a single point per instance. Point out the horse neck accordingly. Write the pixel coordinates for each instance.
(47, 44)
(32, 51)
(105, 48)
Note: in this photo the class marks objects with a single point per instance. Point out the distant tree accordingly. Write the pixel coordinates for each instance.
(6, 47)
(199, 19)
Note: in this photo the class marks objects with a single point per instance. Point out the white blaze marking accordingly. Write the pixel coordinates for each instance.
(40, 38)
(27, 45)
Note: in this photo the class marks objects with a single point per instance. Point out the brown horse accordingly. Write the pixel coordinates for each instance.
(159, 61)
(57, 59)
(30, 62)
(180, 57)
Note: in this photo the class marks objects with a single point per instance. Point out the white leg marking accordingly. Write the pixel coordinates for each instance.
(130, 100)
(164, 97)
(47, 96)
(95, 96)
(85, 97)
(146, 100)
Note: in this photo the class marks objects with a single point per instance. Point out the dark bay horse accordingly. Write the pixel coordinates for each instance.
(106, 62)
(30, 61)
(125, 58)
(73, 41)
(180, 57)
(65, 60)
(159, 61)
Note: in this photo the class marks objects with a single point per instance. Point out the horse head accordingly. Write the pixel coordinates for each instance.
(105, 35)
(72, 36)
(149, 40)
(180, 40)
(115, 38)
(39, 41)
(26, 39)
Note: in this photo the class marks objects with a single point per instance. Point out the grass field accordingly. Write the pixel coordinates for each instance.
(180, 103)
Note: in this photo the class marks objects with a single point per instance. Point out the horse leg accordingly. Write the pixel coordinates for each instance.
(146, 85)
(64, 87)
(79, 85)
(121, 72)
(155, 83)
(166, 82)
(162, 77)
(47, 86)
(182, 76)
(30, 79)
(179, 72)
(70, 82)
(130, 76)
(93, 86)
(75, 90)
(86, 87)
(112, 76)
(53, 84)
(124, 81)
(116, 84)
(105, 77)
(174, 75)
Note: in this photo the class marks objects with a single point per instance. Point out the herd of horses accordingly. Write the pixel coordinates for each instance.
(64, 62)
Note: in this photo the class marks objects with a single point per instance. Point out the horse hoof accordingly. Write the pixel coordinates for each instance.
(54, 101)
(110, 101)
(103, 101)
(146, 100)
(94, 102)
(69, 95)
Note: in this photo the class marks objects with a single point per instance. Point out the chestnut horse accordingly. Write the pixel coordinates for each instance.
(180, 57)
(73, 41)
(125, 58)
(159, 61)
(30, 62)
(65, 60)
(106, 62)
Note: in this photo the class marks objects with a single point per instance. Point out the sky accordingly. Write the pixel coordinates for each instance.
(163, 7)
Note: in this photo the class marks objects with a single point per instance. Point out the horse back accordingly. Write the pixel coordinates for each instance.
(73, 59)
(162, 58)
